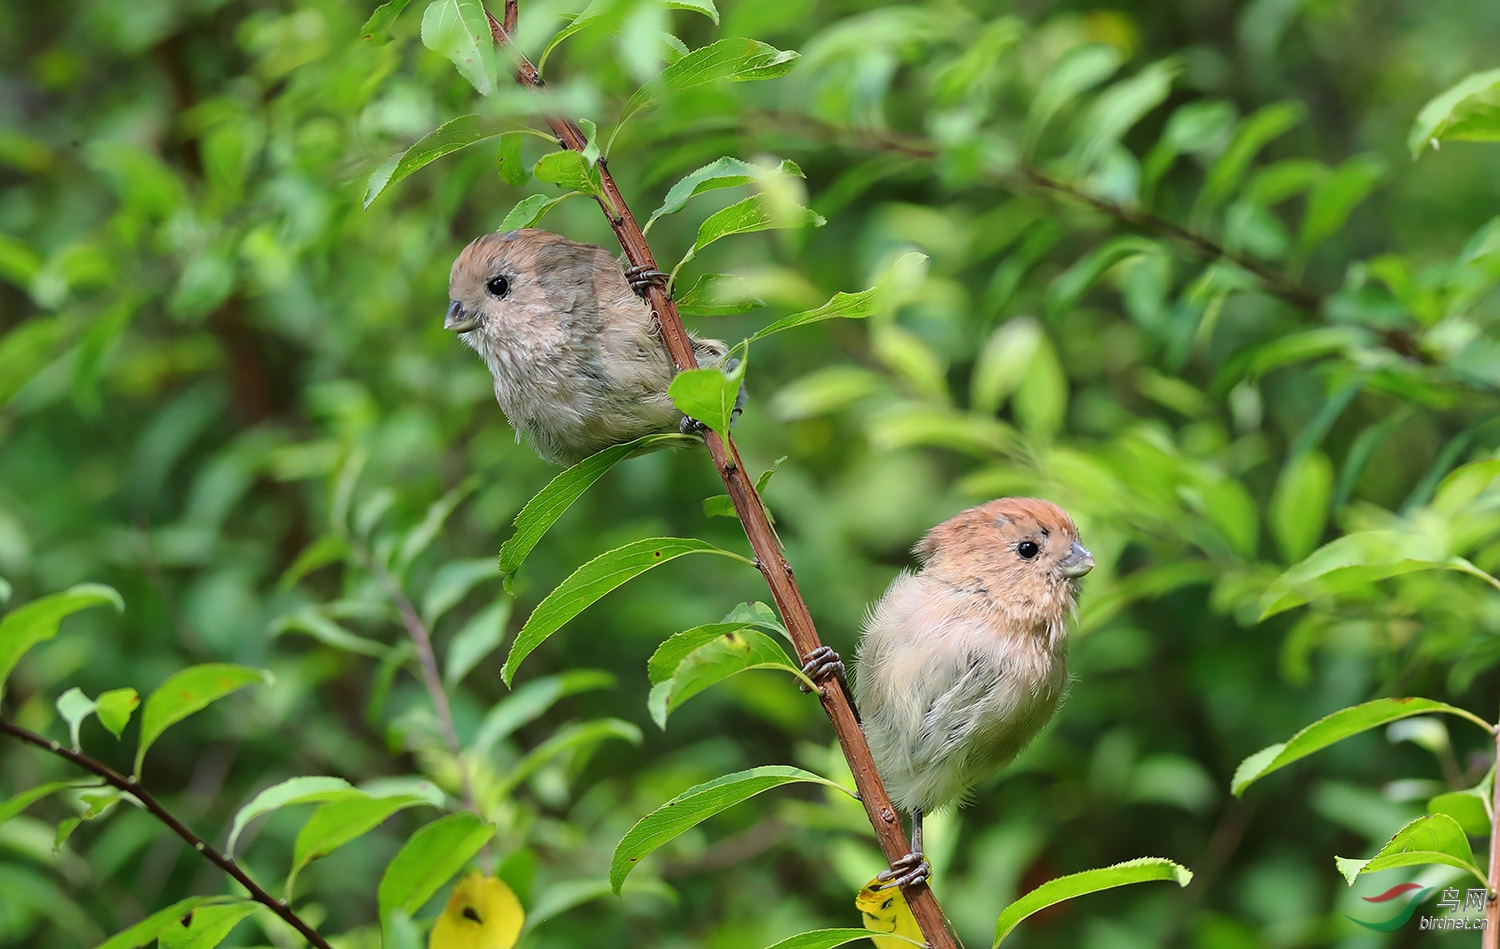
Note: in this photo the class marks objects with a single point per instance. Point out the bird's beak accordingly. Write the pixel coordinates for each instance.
(1078, 561)
(459, 320)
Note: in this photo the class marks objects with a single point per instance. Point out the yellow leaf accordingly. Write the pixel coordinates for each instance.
(885, 911)
(482, 913)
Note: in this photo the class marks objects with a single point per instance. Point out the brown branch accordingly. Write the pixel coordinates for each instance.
(752, 515)
(155, 809)
(1139, 220)
(1492, 904)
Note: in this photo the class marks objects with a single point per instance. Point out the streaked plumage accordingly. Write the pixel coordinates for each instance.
(577, 358)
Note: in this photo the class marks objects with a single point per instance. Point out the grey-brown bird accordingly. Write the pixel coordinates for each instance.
(575, 352)
(962, 662)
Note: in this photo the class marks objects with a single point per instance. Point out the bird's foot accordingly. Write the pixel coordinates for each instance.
(641, 277)
(691, 426)
(907, 871)
(822, 662)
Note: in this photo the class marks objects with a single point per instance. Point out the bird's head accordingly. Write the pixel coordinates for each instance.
(1022, 554)
(528, 286)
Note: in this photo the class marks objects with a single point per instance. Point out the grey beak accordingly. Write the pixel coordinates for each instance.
(459, 320)
(1078, 561)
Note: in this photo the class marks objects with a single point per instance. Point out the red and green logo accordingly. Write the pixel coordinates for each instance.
(1404, 914)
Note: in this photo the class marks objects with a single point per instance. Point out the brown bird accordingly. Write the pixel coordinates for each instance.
(962, 662)
(576, 354)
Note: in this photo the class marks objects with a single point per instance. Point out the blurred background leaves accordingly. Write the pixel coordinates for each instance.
(202, 325)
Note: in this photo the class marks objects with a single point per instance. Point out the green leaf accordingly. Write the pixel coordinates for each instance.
(328, 549)
(708, 395)
(1077, 71)
(723, 173)
(151, 928)
(1118, 109)
(446, 139)
(543, 510)
(1194, 127)
(705, 7)
(568, 169)
(210, 926)
(594, 579)
(459, 30)
(1253, 134)
(909, 270)
(911, 425)
(726, 655)
(564, 895)
(37, 621)
(428, 860)
(828, 938)
(1334, 197)
(1469, 110)
(669, 655)
(419, 538)
(531, 701)
(572, 738)
(1041, 402)
(1073, 283)
(752, 214)
(729, 60)
(588, 15)
(1335, 728)
(74, 707)
(530, 210)
(1139, 870)
(696, 805)
(311, 621)
(1466, 484)
(909, 357)
(189, 691)
(381, 20)
(1002, 364)
(479, 637)
(339, 821)
(509, 164)
(311, 789)
(1357, 560)
(1299, 505)
(716, 294)
(1467, 807)
(1434, 839)
(826, 390)
(451, 583)
(15, 805)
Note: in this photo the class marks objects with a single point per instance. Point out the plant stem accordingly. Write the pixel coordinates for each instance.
(1492, 905)
(433, 682)
(155, 809)
(752, 515)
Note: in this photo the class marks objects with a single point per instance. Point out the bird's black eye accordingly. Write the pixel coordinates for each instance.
(1028, 549)
(498, 286)
(472, 915)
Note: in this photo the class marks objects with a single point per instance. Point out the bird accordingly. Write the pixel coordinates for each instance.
(575, 351)
(962, 662)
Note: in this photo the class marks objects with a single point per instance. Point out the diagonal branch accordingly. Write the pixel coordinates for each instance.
(752, 514)
(155, 809)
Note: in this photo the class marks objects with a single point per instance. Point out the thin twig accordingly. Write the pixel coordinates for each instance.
(752, 515)
(431, 679)
(155, 809)
(1136, 219)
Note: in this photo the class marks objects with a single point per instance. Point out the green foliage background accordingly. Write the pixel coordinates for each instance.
(203, 324)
